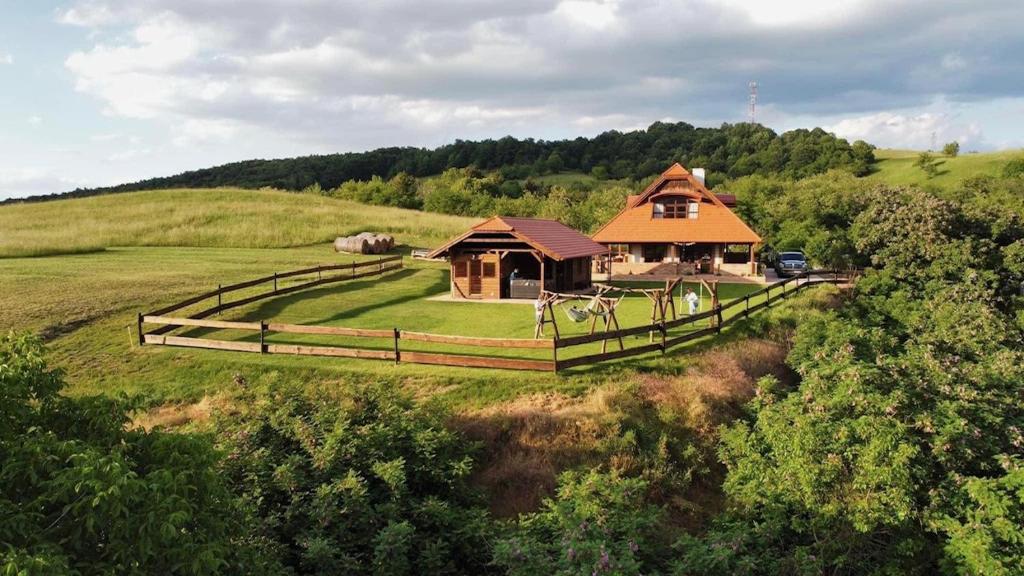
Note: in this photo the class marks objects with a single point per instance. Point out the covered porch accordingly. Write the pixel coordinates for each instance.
(679, 258)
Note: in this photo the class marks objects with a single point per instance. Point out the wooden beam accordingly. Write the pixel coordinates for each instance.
(328, 330)
(201, 323)
(203, 343)
(476, 341)
(336, 351)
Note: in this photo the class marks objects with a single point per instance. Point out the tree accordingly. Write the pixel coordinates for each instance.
(83, 492)
(927, 163)
(951, 149)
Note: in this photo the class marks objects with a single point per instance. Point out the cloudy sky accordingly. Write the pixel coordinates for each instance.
(97, 92)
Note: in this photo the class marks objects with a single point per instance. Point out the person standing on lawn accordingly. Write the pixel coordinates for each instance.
(692, 300)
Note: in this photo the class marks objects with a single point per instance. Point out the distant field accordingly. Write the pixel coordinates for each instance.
(896, 167)
(217, 218)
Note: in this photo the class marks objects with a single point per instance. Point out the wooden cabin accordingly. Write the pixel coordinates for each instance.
(677, 224)
(518, 257)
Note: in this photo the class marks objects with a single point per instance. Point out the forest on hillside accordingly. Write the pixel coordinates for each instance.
(729, 151)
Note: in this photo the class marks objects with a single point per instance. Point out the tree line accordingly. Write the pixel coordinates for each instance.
(728, 151)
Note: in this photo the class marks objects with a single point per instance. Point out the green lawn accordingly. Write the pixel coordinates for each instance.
(86, 305)
(157, 248)
(896, 167)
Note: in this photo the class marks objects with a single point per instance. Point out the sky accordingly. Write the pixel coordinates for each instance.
(99, 92)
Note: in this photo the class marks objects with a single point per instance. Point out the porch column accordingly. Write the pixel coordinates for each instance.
(753, 264)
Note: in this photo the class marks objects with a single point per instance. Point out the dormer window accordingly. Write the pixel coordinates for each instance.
(675, 208)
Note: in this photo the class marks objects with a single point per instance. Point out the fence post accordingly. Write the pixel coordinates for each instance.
(275, 282)
(746, 308)
(353, 269)
(554, 355)
(218, 299)
(263, 334)
(718, 314)
(319, 269)
(398, 354)
(661, 327)
(380, 265)
(142, 338)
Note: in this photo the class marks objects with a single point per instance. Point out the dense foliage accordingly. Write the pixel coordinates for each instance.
(732, 150)
(900, 451)
(468, 192)
(80, 493)
(373, 486)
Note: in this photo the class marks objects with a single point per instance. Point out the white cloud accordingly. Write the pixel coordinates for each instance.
(34, 120)
(894, 130)
(21, 182)
(319, 75)
(6, 58)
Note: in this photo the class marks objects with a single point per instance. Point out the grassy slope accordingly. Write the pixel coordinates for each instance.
(86, 303)
(896, 167)
(220, 218)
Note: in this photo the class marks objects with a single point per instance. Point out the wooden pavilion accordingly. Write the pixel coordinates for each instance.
(505, 257)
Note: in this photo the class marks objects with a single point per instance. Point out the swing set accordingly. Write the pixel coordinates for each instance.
(601, 305)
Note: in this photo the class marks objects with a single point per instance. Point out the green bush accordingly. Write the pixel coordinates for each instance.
(374, 486)
(597, 524)
(82, 493)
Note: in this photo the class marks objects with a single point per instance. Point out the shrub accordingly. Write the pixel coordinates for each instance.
(375, 486)
(80, 493)
(598, 524)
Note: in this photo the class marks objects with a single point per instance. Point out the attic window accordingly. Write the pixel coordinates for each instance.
(671, 208)
(692, 208)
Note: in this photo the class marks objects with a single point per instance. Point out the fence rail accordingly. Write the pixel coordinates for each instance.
(396, 336)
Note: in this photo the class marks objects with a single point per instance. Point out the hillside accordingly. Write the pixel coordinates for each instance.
(728, 151)
(896, 167)
(220, 218)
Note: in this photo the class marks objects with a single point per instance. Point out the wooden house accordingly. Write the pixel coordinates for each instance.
(676, 224)
(518, 257)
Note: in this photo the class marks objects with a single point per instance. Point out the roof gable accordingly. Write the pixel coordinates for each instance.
(552, 238)
(675, 174)
(715, 222)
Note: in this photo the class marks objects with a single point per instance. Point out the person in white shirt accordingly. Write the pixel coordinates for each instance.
(692, 300)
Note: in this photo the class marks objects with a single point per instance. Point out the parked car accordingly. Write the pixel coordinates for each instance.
(790, 263)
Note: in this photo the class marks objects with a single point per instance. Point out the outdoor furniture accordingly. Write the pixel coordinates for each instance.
(524, 288)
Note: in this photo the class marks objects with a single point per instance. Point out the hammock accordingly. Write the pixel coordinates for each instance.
(581, 314)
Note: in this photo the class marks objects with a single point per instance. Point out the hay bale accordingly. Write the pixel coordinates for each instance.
(352, 244)
(389, 239)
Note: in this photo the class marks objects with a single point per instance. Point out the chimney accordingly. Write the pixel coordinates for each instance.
(698, 173)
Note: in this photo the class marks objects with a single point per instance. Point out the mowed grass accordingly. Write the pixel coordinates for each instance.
(896, 167)
(219, 218)
(86, 306)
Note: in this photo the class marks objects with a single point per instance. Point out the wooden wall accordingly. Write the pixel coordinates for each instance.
(490, 283)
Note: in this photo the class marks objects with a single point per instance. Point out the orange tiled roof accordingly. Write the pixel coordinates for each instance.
(554, 239)
(715, 222)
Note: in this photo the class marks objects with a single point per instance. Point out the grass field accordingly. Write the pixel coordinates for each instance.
(162, 247)
(85, 305)
(222, 218)
(896, 167)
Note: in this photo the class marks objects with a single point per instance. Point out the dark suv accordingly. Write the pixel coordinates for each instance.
(790, 263)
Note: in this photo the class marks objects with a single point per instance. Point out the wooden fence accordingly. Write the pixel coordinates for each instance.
(394, 352)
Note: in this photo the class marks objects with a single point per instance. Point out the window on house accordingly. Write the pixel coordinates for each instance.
(654, 252)
(461, 270)
(692, 208)
(489, 270)
(670, 208)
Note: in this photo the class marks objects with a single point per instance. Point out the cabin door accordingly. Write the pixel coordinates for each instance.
(475, 273)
